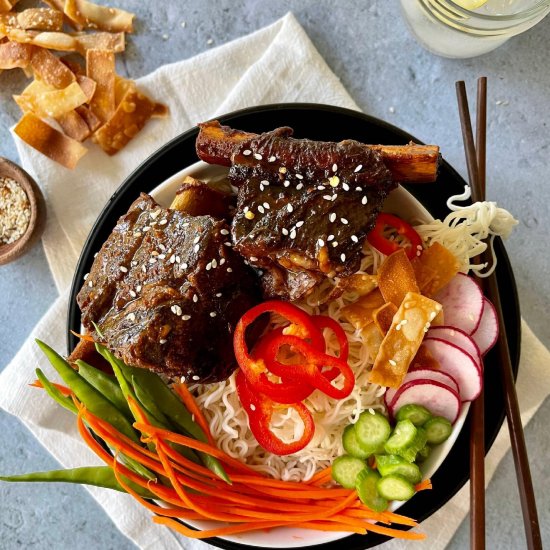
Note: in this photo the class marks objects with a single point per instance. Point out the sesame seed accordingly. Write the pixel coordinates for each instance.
(90, 284)
(154, 215)
(289, 207)
(343, 257)
(208, 266)
(261, 209)
(345, 187)
(213, 314)
(330, 238)
(222, 261)
(286, 183)
(196, 239)
(219, 295)
(299, 186)
(196, 377)
(229, 270)
(293, 234)
(249, 215)
(392, 362)
(138, 288)
(299, 176)
(152, 260)
(132, 294)
(172, 259)
(253, 259)
(272, 158)
(334, 167)
(173, 309)
(131, 317)
(247, 152)
(321, 187)
(195, 298)
(320, 242)
(344, 221)
(143, 268)
(398, 327)
(164, 221)
(196, 248)
(162, 247)
(332, 217)
(162, 341)
(358, 188)
(96, 254)
(282, 170)
(334, 181)
(335, 244)
(354, 238)
(185, 317)
(86, 276)
(146, 228)
(284, 231)
(214, 264)
(134, 263)
(224, 232)
(327, 197)
(257, 156)
(300, 223)
(333, 198)
(162, 256)
(261, 187)
(358, 168)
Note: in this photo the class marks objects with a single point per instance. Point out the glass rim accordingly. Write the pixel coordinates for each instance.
(511, 17)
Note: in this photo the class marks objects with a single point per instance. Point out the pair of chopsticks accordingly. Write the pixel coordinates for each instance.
(476, 162)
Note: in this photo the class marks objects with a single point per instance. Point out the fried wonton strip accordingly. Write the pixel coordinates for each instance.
(160, 111)
(49, 141)
(400, 345)
(104, 18)
(396, 277)
(359, 314)
(59, 5)
(383, 317)
(88, 86)
(74, 126)
(73, 65)
(424, 359)
(40, 19)
(91, 120)
(5, 6)
(50, 40)
(48, 68)
(100, 41)
(372, 340)
(13, 55)
(435, 268)
(46, 101)
(358, 284)
(130, 117)
(100, 67)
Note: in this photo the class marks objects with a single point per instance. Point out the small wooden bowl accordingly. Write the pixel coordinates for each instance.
(12, 251)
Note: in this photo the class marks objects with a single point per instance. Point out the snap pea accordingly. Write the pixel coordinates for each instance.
(106, 385)
(98, 476)
(54, 393)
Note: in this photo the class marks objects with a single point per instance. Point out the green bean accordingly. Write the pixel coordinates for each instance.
(98, 476)
(55, 394)
(106, 385)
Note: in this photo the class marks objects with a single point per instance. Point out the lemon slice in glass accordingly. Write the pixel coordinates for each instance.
(470, 4)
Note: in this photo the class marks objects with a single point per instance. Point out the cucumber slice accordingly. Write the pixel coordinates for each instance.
(406, 440)
(393, 464)
(438, 429)
(367, 491)
(395, 487)
(417, 414)
(345, 470)
(372, 431)
(351, 445)
(423, 454)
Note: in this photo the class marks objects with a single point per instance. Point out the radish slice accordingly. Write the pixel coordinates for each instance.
(462, 302)
(438, 398)
(459, 364)
(458, 338)
(486, 333)
(421, 374)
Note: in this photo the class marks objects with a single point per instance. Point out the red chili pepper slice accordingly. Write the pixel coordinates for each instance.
(290, 390)
(311, 371)
(260, 409)
(386, 246)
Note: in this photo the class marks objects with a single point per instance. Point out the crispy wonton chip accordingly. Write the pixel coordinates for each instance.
(383, 317)
(74, 126)
(104, 18)
(160, 111)
(100, 67)
(13, 54)
(40, 19)
(49, 141)
(359, 314)
(400, 345)
(435, 268)
(100, 41)
(372, 340)
(396, 277)
(48, 68)
(5, 6)
(59, 6)
(88, 86)
(358, 283)
(91, 120)
(130, 117)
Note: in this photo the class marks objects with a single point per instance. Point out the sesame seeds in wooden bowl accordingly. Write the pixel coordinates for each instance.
(22, 211)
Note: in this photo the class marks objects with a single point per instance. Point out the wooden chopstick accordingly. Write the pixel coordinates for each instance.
(476, 171)
(515, 428)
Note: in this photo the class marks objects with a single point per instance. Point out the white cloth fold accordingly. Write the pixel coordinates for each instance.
(275, 64)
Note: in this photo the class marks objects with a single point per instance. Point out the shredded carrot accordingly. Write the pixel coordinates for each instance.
(87, 337)
(423, 485)
(189, 401)
(63, 389)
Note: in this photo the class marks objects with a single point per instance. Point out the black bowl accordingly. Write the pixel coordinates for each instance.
(323, 122)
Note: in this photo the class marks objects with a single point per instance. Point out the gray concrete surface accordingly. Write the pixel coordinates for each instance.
(368, 46)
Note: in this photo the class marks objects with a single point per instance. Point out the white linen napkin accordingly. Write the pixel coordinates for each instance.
(249, 71)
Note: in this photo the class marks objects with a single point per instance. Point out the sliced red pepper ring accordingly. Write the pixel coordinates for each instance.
(260, 410)
(311, 371)
(377, 239)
